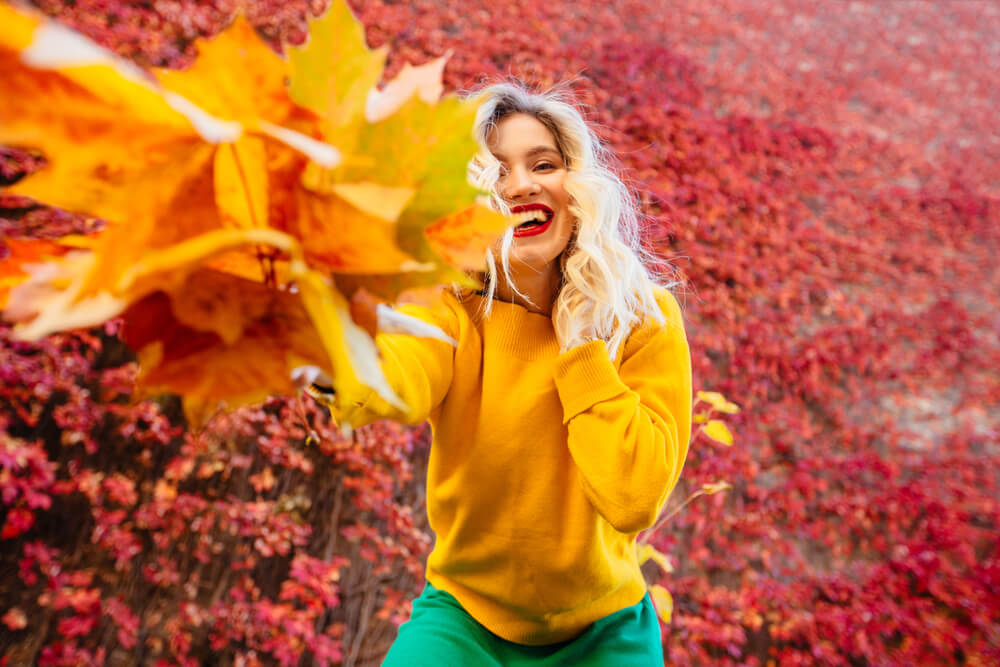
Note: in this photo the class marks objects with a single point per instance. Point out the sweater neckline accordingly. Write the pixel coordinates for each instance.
(496, 299)
(523, 333)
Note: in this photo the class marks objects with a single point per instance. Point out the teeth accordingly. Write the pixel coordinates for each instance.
(522, 217)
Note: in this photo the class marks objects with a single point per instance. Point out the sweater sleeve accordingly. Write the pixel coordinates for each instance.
(418, 369)
(629, 427)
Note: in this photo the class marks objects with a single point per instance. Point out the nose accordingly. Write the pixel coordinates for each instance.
(518, 184)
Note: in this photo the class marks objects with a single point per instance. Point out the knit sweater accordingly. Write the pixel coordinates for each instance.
(544, 465)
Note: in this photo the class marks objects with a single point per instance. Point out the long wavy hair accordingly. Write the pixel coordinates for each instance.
(607, 283)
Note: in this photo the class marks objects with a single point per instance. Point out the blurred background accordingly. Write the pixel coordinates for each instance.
(824, 176)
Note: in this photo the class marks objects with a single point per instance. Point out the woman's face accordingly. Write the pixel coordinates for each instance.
(533, 184)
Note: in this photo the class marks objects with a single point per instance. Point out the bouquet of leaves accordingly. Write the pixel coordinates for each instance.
(260, 208)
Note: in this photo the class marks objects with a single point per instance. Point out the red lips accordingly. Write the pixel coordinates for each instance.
(533, 230)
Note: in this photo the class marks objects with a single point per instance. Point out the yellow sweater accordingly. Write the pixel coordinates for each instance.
(543, 466)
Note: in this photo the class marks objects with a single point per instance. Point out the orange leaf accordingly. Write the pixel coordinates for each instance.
(347, 240)
(463, 238)
(15, 619)
(177, 356)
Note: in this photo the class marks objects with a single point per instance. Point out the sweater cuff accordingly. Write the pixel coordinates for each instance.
(585, 376)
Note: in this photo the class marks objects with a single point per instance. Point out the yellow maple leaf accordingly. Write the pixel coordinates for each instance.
(334, 71)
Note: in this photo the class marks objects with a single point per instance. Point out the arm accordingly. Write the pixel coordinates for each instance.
(418, 369)
(629, 428)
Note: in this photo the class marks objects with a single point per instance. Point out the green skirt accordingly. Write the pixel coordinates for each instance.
(442, 634)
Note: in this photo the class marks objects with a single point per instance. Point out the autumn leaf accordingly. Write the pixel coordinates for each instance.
(419, 179)
(263, 481)
(23, 254)
(151, 157)
(164, 491)
(648, 552)
(662, 601)
(346, 239)
(423, 82)
(118, 147)
(718, 402)
(462, 239)
(715, 487)
(15, 618)
(350, 347)
(64, 296)
(333, 72)
(718, 431)
(231, 253)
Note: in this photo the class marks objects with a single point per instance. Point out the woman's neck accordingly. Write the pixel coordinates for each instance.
(540, 287)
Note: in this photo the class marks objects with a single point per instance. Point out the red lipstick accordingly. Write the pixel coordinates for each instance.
(533, 229)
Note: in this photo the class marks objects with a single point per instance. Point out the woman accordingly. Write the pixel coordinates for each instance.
(561, 419)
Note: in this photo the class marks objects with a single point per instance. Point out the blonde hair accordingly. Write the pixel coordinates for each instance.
(607, 284)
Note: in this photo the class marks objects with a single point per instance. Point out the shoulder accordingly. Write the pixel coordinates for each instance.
(669, 306)
(670, 309)
(657, 331)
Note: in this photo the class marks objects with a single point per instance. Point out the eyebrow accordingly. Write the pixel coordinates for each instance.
(538, 150)
(534, 151)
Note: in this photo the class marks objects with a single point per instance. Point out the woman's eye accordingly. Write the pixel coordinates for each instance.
(545, 166)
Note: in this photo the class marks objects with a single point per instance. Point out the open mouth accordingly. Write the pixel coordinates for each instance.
(531, 219)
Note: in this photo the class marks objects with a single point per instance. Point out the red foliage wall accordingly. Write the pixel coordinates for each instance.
(824, 175)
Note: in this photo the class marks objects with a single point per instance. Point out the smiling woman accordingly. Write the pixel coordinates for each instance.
(532, 183)
(561, 416)
(536, 149)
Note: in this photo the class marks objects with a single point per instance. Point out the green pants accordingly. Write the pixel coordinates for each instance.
(442, 634)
